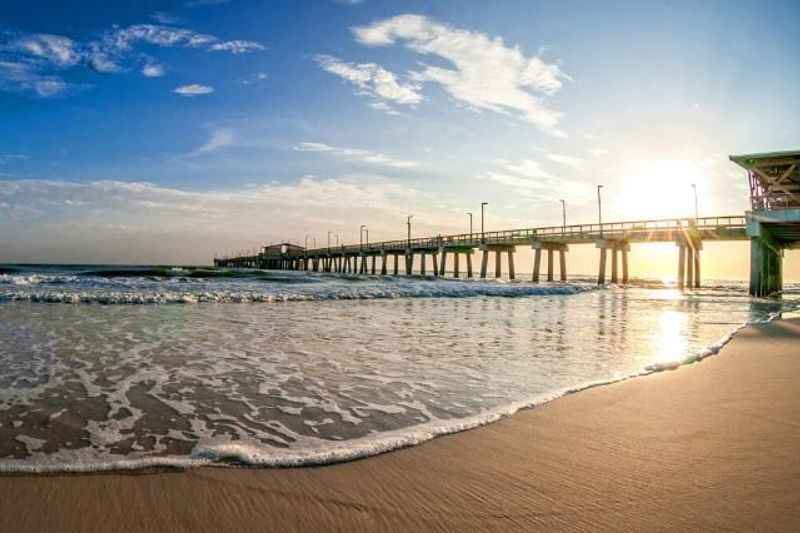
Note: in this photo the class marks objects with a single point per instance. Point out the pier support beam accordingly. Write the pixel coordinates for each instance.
(443, 264)
(374, 260)
(384, 260)
(766, 258)
(689, 261)
(615, 245)
(409, 262)
(455, 264)
(551, 247)
(435, 264)
(396, 261)
(469, 264)
(498, 250)
(422, 263)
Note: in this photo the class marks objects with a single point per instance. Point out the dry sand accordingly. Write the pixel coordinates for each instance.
(714, 445)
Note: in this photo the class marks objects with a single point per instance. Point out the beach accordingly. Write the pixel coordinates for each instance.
(711, 445)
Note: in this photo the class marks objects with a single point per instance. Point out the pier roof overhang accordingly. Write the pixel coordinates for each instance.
(774, 178)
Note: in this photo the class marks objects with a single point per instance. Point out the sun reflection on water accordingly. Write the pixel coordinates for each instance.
(673, 342)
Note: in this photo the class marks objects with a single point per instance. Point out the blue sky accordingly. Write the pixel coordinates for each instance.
(168, 131)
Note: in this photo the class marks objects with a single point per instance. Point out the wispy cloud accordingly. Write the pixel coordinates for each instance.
(597, 152)
(164, 18)
(355, 154)
(218, 139)
(31, 62)
(486, 74)
(570, 161)
(529, 179)
(153, 70)
(236, 47)
(258, 77)
(373, 81)
(193, 89)
(118, 221)
(200, 3)
(8, 158)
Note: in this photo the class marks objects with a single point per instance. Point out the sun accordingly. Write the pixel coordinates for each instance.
(662, 188)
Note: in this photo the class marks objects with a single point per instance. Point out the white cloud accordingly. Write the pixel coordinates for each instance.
(60, 51)
(528, 168)
(193, 89)
(236, 47)
(355, 154)
(164, 18)
(219, 139)
(199, 3)
(254, 79)
(7, 158)
(574, 162)
(29, 62)
(153, 70)
(118, 221)
(15, 76)
(597, 152)
(374, 81)
(487, 74)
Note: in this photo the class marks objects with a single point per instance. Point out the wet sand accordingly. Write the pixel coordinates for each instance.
(713, 445)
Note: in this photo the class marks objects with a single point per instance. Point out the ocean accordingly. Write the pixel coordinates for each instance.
(112, 368)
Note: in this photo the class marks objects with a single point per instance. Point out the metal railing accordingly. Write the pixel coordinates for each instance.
(659, 229)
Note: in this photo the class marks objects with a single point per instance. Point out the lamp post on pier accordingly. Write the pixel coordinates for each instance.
(696, 211)
(361, 236)
(563, 216)
(483, 236)
(470, 225)
(600, 210)
(408, 222)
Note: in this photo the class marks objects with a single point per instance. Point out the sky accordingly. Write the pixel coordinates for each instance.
(168, 132)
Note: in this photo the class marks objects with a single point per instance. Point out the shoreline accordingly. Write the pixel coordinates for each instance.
(711, 445)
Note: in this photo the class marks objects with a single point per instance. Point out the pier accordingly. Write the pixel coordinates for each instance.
(772, 225)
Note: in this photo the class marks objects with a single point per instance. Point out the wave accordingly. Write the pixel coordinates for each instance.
(364, 291)
(247, 454)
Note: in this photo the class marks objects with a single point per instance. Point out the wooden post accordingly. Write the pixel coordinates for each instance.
(601, 275)
(614, 276)
(455, 264)
(549, 264)
(511, 274)
(443, 265)
(396, 260)
(484, 262)
(681, 264)
(469, 264)
(422, 263)
(562, 261)
(383, 263)
(537, 260)
(697, 268)
(689, 267)
(498, 267)
(374, 260)
(625, 264)
(435, 264)
(409, 262)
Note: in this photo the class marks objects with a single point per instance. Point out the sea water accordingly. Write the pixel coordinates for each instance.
(118, 368)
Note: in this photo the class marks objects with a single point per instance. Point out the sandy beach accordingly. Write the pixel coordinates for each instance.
(713, 445)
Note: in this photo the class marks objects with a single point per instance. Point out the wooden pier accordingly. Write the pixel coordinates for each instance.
(772, 226)
(612, 239)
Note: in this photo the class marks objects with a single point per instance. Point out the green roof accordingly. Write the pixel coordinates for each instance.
(748, 161)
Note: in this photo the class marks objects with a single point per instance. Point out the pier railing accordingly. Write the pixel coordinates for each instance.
(722, 227)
